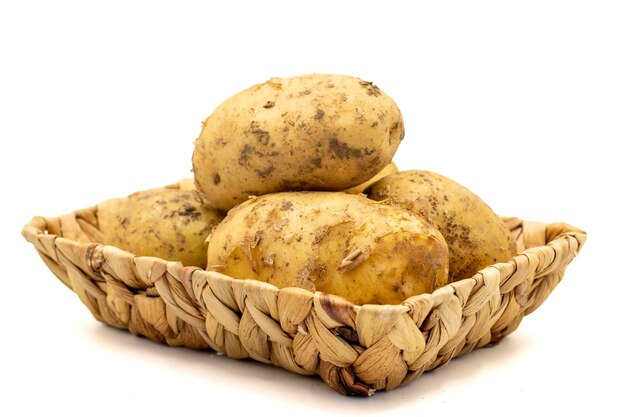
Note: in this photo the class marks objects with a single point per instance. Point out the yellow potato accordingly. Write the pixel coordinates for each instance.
(184, 184)
(476, 236)
(313, 132)
(343, 244)
(166, 223)
(389, 169)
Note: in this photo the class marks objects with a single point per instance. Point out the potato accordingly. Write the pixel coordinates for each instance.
(344, 244)
(387, 170)
(313, 132)
(166, 223)
(184, 184)
(476, 236)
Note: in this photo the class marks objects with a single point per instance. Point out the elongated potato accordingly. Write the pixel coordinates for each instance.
(313, 132)
(476, 236)
(166, 223)
(387, 170)
(344, 244)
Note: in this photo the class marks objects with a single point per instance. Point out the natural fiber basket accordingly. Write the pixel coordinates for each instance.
(355, 349)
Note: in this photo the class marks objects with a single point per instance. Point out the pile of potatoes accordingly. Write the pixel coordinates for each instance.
(294, 185)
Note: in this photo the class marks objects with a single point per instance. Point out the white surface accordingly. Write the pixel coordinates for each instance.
(523, 103)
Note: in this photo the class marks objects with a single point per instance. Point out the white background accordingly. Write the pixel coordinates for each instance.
(522, 102)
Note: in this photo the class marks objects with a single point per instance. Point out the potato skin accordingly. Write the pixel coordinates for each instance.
(164, 222)
(313, 132)
(343, 244)
(391, 168)
(184, 184)
(476, 236)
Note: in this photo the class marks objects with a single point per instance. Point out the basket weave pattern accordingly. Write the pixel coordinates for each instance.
(355, 349)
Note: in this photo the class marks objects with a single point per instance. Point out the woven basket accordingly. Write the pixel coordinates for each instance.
(355, 349)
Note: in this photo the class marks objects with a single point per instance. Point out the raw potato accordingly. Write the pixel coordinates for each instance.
(166, 223)
(476, 236)
(343, 244)
(313, 132)
(185, 184)
(388, 170)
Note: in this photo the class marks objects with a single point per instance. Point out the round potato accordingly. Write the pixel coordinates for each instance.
(476, 236)
(313, 132)
(166, 223)
(343, 244)
(389, 169)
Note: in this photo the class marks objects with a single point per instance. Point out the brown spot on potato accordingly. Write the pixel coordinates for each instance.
(372, 90)
(395, 127)
(319, 114)
(216, 179)
(286, 206)
(261, 135)
(245, 153)
(342, 150)
(190, 211)
(269, 105)
(263, 173)
(248, 150)
(320, 233)
(257, 238)
(374, 162)
(305, 278)
(317, 162)
(299, 185)
(359, 117)
(274, 83)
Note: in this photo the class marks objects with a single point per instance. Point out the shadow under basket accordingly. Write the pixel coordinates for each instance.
(354, 349)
